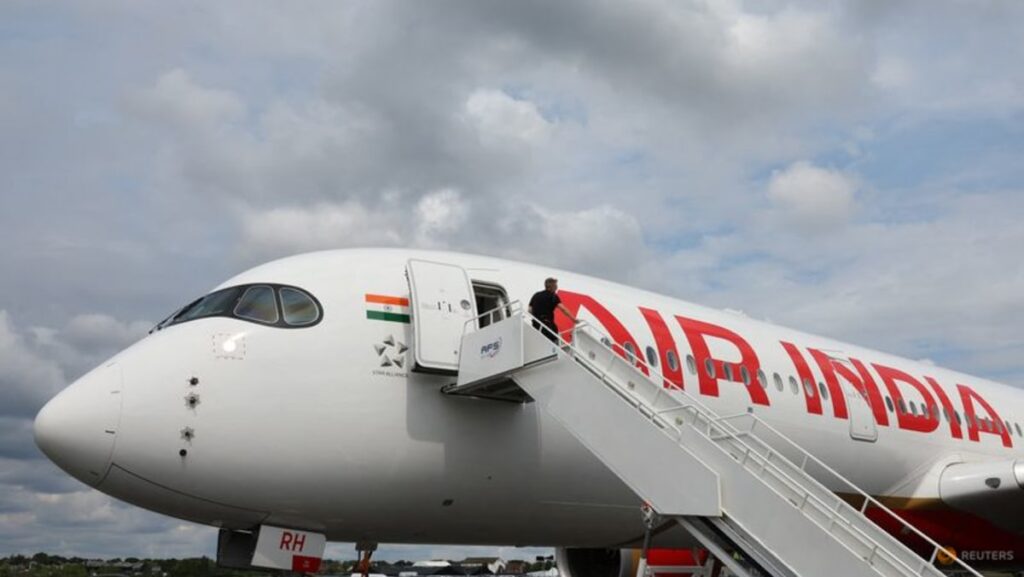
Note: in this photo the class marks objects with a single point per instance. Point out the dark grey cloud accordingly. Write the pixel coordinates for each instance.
(34, 474)
(37, 362)
(27, 380)
(16, 439)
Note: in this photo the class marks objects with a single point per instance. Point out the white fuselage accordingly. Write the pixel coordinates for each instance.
(304, 427)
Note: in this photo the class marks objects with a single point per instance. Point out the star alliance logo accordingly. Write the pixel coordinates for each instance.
(391, 352)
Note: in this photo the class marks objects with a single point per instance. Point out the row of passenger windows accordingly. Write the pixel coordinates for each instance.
(904, 407)
(269, 304)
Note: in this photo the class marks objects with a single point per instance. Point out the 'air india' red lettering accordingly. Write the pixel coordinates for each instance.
(968, 397)
(861, 380)
(623, 340)
(673, 371)
(810, 392)
(829, 367)
(697, 333)
(947, 408)
(925, 422)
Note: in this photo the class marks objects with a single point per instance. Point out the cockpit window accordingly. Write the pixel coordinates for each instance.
(258, 304)
(299, 308)
(214, 304)
(267, 304)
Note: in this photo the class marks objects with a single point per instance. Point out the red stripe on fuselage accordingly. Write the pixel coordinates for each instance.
(673, 372)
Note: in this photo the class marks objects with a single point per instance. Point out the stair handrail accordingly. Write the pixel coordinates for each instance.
(508, 308)
(723, 423)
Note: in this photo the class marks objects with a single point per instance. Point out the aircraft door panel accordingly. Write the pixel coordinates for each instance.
(442, 301)
(862, 420)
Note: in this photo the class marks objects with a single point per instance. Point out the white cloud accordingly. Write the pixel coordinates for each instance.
(776, 54)
(95, 331)
(498, 117)
(179, 97)
(812, 197)
(602, 240)
(288, 230)
(439, 214)
(892, 74)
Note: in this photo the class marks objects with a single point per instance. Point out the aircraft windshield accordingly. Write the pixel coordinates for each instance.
(213, 304)
(266, 304)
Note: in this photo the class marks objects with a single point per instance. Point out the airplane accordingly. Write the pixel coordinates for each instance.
(302, 402)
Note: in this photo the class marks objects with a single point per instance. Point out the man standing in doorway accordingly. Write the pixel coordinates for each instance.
(542, 307)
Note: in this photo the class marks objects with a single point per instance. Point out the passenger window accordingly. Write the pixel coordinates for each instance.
(763, 379)
(652, 357)
(903, 407)
(745, 375)
(824, 391)
(728, 372)
(299, 308)
(913, 408)
(691, 364)
(888, 403)
(630, 353)
(1017, 426)
(258, 304)
(673, 361)
(709, 367)
(778, 381)
(808, 387)
(792, 385)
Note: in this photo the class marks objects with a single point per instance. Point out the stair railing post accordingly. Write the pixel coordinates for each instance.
(650, 519)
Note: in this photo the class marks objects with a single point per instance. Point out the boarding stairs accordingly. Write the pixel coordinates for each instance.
(736, 483)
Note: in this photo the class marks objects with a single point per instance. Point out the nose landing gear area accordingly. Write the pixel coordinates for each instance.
(271, 548)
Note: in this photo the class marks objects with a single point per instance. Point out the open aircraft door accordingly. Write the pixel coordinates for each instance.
(441, 303)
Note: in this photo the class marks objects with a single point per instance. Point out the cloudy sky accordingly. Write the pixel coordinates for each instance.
(853, 169)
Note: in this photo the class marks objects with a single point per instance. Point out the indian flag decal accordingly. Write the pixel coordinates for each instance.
(387, 308)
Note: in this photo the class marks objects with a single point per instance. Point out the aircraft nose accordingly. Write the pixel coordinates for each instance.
(77, 428)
